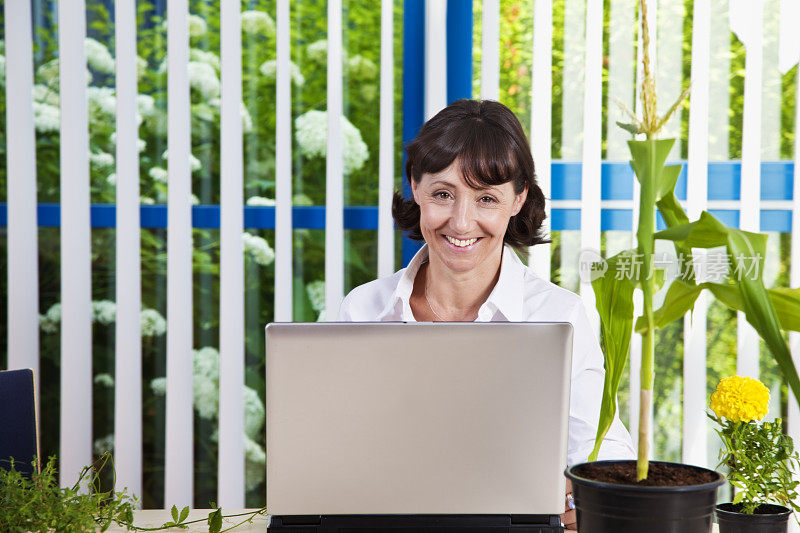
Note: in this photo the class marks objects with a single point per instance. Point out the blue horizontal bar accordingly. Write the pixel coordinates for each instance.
(724, 180)
(208, 216)
(366, 217)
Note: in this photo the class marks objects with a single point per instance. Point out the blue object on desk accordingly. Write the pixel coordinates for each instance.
(18, 438)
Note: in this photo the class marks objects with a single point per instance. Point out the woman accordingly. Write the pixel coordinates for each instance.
(475, 200)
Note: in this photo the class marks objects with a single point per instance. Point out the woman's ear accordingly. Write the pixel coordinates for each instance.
(519, 201)
(415, 190)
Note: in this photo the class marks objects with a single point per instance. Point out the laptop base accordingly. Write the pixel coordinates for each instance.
(416, 524)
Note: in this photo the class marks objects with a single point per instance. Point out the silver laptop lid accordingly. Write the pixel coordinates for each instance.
(430, 418)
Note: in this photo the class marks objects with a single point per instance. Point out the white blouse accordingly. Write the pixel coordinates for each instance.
(519, 296)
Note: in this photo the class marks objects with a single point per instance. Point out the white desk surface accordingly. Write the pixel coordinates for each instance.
(156, 517)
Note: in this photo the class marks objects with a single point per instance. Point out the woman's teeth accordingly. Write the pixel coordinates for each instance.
(460, 243)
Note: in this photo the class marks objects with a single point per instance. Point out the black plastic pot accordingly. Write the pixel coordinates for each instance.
(611, 508)
(770, 519)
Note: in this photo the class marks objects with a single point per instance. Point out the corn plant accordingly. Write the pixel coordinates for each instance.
(770, 312)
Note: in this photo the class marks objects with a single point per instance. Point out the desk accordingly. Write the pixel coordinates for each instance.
(156, 517)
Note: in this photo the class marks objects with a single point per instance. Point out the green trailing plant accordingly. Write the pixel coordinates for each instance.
(37, 503)
(770, 312)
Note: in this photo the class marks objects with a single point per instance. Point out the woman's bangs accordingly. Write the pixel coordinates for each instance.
(486, 159)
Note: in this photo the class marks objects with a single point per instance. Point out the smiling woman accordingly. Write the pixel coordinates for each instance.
(475, 198)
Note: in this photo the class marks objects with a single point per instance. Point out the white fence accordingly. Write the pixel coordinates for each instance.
(582, 137)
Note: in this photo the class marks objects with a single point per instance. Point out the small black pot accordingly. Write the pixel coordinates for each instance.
(611, 508)
(769, 519)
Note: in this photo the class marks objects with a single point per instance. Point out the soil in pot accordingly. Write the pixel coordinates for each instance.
(766, 518)
(675, 498)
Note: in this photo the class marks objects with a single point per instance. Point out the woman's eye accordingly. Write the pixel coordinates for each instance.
(442, 195)
(487, 200)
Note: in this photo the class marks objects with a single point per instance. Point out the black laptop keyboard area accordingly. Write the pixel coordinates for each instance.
(416, 524)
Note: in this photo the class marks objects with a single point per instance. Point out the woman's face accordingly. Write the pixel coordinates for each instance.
(464, 227)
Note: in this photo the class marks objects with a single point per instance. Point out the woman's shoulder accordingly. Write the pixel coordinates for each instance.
(365, 302)
(545, 300)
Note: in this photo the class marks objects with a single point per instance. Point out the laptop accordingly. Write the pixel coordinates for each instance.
(417, 427)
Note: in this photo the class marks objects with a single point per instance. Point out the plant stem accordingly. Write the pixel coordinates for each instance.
(644, 236)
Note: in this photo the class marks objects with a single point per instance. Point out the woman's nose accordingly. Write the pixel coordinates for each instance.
(462, 217)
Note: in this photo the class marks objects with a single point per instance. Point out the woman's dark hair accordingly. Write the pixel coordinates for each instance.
(491, 148)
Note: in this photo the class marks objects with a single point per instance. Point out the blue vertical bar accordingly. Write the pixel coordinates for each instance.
(459, 50)
(413, 93)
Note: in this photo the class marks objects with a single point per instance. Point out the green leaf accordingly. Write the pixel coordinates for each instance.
(184, 514)
(680, 298)
(215, 521)
(614, 300)
(669, 177)
(175, 514)
(631, 128)
(707, 232)
(758, 306)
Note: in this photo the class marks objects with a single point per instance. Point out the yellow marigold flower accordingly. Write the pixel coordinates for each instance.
(740, 398)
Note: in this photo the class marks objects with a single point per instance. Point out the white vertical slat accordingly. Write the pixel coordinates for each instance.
(794, 273)
(669, 65)
(22, 237)
(694, 324)
(231, 300)
(76, 265)
(747, 339)
(719, 74)
(621, 82)
(490, 50)
(573, 80)
(283, 169)
(334, 214)
(128, 342)
(179, 463)
(435, 57)
(386, 149)
(541, 121)
(592, 136)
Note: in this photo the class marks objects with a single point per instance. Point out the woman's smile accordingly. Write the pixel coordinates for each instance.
(462, 244)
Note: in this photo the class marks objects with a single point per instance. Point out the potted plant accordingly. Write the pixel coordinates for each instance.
(760, 459)
(644, 495)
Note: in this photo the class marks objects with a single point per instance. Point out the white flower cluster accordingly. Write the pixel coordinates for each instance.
(146, 105)
(258, 248)
(311, 133)
(270, 68)
(105, 444)
(152, 323)
(146, 200)
(104, 312)
(194, 163)
(197, 26)
(102, 104)
(316, 295)
(101, 160)
(105, 380)
(98, 57)
(257, 23)
(141, 67)
(50, 320)
(201, 56)
(361, 68)
(318, 51)
(159, 174)
(203, 78)
(205, 387)
(112, 179)
(2, 70)
(260, 200)
(45, 95)
(141, 144)
(46, 117)
(255, 460)
(208, 114)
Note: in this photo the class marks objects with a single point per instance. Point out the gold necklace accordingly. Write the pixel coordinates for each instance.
(431, 307)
